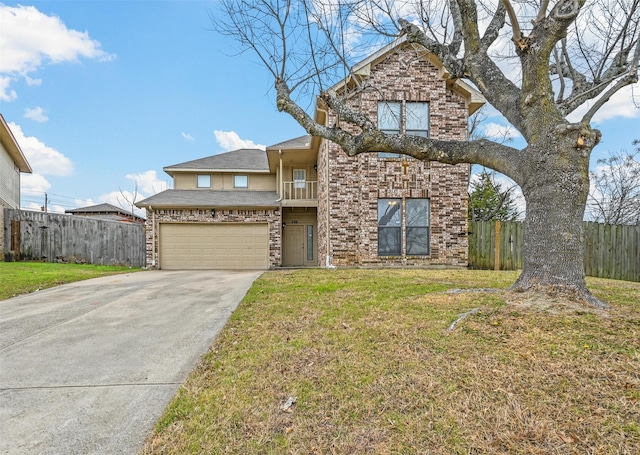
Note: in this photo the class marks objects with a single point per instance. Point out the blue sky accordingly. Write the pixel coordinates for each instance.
(100, 94)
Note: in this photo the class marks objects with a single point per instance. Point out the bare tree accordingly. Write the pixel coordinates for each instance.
(130, 199)
(534, 61)
(615, 188)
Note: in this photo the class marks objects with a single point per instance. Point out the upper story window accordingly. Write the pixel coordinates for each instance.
(204, 181)
(241, 181)
(299, 178)
(417, 123)
(390, 116)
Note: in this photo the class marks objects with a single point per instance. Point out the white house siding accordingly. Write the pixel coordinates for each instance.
(9, 190)
(9, 181)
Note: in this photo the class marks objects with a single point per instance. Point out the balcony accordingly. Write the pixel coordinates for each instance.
(300, 193)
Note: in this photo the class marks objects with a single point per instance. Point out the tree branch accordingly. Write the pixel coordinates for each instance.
(630, 78)
(515, 25)
(493, 30)
(484, 152)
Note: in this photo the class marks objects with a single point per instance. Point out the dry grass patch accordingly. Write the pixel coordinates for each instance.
(368, 358)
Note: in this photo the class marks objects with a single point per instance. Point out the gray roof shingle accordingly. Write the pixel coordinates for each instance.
(247, 160)
(99, 208)
(301, 142)
(211, 198)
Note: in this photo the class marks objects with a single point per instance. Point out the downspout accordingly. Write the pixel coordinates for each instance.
(280, 185)
(327, 230)
(153, 237)
(328, 259)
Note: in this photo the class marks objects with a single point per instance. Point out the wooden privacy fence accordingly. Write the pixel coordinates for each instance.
(611, 251)
(51, 237)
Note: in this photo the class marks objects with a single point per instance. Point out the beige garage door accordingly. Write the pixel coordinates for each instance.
(214, 246)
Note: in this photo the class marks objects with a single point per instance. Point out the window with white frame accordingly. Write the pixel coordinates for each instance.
(417, 119)
(390, 120)
(403, 225)
(300, 178)
(240, 181)
(204, 181)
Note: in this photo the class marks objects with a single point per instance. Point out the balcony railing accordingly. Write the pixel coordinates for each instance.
(299, 190)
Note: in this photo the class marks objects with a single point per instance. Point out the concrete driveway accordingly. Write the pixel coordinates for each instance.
(88, 367)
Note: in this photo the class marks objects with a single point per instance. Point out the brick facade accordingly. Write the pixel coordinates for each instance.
(349, 187)
(271, 216)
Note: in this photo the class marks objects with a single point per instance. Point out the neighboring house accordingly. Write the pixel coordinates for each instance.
(107, 212)
(12, 163)
(304, 202)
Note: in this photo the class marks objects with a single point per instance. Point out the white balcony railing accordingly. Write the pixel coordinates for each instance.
(299, 190)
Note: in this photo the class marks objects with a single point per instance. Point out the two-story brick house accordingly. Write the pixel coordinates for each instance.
(304, 202)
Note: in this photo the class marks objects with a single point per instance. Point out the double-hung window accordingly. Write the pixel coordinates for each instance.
(389, 227)
(417, 121)
(299, 178)
(390, 120)
(417, 220)
(403, 229)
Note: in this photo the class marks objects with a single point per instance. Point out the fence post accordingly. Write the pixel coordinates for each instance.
(496, 252)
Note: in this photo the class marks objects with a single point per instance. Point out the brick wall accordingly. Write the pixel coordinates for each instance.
(354, 184)
(271, 216)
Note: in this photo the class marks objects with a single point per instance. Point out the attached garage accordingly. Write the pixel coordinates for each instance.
(204, 246)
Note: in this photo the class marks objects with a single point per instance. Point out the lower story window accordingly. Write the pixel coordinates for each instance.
(417, 216)
(389, 227)
(408, 227)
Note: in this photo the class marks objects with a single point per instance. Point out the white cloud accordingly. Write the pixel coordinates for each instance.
(187, 136)
(148, 183)
(623, 104)
(6, 94)
(497, 131)
(36, 114)
(43, 159)
(33, 184)
(30, 38)
(123, 199)
(229, 140)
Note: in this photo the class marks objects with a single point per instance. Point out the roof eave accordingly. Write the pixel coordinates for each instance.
(475, 99)
(169, 170)
(11, 146)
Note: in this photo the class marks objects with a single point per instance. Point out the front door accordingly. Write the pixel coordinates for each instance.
(294, 238)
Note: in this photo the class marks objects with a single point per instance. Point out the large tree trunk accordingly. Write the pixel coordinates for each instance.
(556, 192)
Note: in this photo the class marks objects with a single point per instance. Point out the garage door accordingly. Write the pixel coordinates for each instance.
(214, 246)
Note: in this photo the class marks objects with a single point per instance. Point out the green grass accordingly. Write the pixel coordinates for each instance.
(23, 277)
(374, 370)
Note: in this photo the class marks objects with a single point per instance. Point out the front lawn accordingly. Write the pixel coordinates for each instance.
(22, 277)
(368, 358)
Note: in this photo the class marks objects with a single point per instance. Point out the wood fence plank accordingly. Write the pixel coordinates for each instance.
(609, 251)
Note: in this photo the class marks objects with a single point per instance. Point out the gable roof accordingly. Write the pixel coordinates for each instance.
(242, 160)
(104, 208)
(11, 146)
(475, 99)
(211, 198)
(297, 143)
(98, 208)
